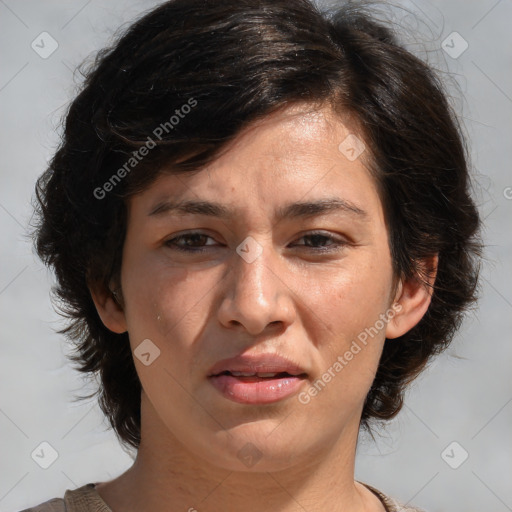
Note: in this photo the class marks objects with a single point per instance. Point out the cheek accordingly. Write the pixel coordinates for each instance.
(350, 297)
(164, 300)
(351, 308)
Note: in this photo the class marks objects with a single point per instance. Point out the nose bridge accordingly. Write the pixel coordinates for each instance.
(256, 296)
(252, 267)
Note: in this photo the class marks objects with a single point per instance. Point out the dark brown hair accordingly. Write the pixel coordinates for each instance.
(239, 61)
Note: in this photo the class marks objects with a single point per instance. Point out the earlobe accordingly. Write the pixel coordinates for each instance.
(414, 297)
(109, 308)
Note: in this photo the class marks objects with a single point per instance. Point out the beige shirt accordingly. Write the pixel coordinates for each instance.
(87, 499)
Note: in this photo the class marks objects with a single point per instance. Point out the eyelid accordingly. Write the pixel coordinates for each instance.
(337, 242)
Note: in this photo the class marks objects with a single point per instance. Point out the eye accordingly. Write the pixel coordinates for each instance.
(195, 242)
(319, 238)
(196, 239)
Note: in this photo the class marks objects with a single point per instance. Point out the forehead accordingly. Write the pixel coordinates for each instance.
(299, 132)
(297, 153)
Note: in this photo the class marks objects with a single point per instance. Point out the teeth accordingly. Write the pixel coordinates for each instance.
(248, 374)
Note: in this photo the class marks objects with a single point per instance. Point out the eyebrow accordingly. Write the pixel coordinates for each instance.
(288, 211)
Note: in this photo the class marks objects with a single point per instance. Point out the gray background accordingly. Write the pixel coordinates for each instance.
(464, 396)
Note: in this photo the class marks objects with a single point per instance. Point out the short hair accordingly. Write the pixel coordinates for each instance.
(183, 81)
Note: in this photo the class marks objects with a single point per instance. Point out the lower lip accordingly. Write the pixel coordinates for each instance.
(258, 390)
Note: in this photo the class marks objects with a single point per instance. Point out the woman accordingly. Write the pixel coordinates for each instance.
(260, 222)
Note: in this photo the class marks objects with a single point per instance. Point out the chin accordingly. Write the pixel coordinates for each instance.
(253, 448)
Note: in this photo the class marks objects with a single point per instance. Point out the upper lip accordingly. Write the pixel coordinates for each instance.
(262, 363)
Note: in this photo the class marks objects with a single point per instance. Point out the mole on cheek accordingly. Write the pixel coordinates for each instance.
(157, 313)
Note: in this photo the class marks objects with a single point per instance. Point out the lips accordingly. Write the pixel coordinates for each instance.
(247, 376)
(262, 365)
(261, 379)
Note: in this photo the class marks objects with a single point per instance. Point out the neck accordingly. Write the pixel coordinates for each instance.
(167, 477)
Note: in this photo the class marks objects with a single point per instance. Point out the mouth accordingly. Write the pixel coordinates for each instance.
(258, 376)
(257, 387)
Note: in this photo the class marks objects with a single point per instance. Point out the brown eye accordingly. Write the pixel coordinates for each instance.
(323, 241)
(194, 242)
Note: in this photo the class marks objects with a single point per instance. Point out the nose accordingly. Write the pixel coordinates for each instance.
(258, 293)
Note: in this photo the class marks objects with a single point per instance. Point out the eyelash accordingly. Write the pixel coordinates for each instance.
(336, 245)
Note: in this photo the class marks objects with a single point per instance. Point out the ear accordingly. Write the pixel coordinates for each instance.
(109, 308)
(414, 297)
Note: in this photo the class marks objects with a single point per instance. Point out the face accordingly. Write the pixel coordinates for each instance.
(306, 285)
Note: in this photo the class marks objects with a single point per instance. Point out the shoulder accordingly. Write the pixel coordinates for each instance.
(390, 503)
(53, 505)
(83, 499)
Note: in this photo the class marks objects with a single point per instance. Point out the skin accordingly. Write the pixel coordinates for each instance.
(292, 300)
